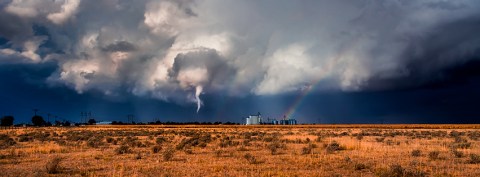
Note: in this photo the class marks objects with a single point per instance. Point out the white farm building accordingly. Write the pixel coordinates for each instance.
(254, 119)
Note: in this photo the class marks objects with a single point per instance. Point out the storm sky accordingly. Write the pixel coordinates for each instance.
(320, 61)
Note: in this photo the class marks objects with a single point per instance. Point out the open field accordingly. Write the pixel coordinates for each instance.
(303, 150)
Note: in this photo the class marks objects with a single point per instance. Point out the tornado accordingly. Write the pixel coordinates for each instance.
(198, 91)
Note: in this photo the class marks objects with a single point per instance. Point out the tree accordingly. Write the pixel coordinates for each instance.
(38, 120)
(67, 123)
(92, 121)
(7, 121)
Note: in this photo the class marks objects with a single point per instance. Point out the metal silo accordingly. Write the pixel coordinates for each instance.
(254, 120)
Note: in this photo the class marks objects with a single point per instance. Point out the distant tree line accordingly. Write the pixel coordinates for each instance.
(175, 123)
(38, 121)
(7, 121)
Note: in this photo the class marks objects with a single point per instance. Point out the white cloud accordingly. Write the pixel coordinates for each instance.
(23, 8)
(29, 51)
(165, 18)
(79, 74)
(68, 9)
(287, 69)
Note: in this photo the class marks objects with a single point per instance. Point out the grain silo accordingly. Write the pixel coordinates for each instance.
(254, 119)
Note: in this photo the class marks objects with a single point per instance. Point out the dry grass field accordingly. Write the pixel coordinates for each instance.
(303, 150)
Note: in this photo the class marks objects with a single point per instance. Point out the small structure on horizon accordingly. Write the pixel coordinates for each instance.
(257, 120)
(254, 119)
(104, 123)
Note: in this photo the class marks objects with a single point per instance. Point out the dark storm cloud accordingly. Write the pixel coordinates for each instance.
(14, 27)
(177, 50)
(217, 69)
(449, 53)
(202, 69)
(120, 46)
(446, 5)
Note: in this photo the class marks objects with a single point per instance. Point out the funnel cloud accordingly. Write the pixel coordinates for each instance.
(198, 91)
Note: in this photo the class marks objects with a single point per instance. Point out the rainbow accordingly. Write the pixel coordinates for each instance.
(298, 101)
(304, 92)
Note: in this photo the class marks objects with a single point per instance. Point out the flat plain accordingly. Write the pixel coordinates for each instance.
(239, 150)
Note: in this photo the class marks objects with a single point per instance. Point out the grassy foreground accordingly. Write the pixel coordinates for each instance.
(303, 150)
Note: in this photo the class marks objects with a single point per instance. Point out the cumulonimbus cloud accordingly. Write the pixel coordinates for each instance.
(177, 50)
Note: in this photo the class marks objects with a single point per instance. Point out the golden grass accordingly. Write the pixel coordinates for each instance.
(219, 150)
